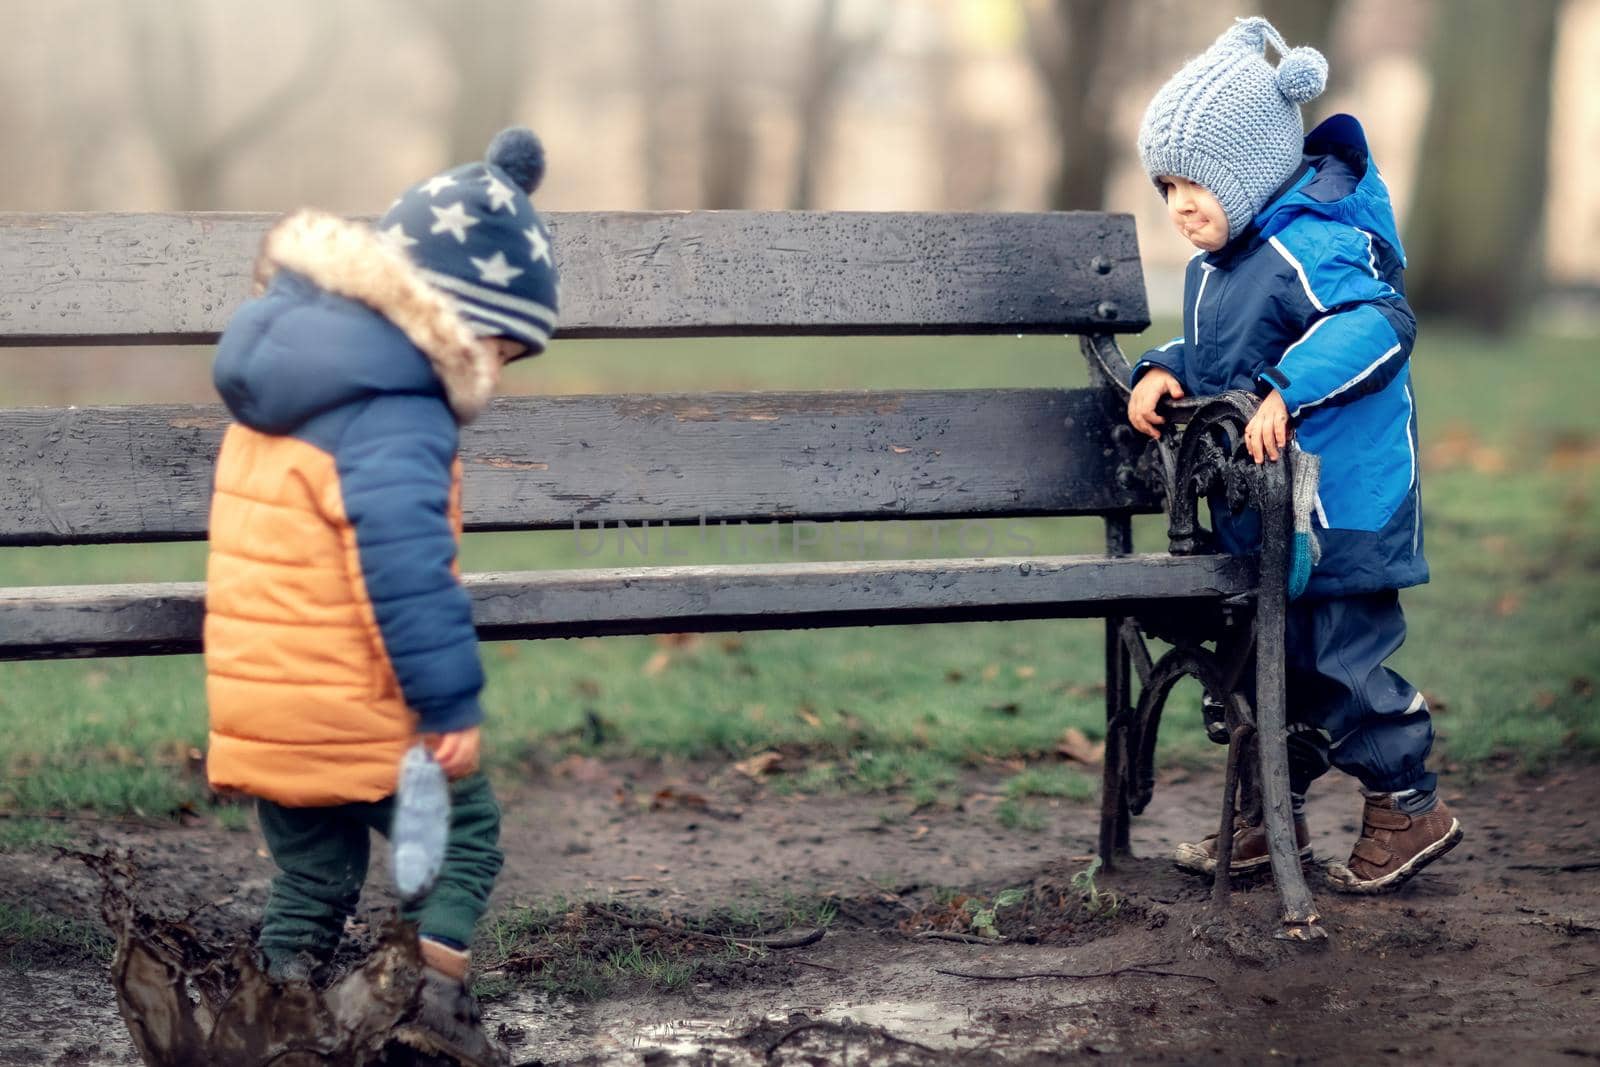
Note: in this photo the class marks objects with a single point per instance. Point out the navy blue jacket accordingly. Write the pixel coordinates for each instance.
(337, 628)
(1309, 301)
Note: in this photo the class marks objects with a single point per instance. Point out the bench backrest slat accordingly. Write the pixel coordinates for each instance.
(175, 278)
(92, 475)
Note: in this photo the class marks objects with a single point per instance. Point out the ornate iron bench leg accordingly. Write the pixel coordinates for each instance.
(1114, 814)
(1300, 919)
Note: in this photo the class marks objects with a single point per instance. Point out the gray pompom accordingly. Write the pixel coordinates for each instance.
(1302, 74)
(518, 152)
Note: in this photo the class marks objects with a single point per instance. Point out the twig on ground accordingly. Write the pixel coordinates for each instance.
(1557, 868)
(818, 966)
(810, 937)
(962, 939)
(1570, 924)
(1587, 972)
(1150, 970)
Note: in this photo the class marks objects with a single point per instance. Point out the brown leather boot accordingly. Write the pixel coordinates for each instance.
(1394, 846)
(1250, 852)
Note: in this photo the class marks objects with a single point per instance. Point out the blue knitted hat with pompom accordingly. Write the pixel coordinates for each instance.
(1230, 121)
(477, 238)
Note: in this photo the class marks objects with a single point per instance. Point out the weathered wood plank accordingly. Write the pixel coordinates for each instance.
(126, 620)
(175, 278)
(88, 475)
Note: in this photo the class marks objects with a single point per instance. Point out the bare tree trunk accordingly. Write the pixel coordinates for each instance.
(728, 157)
(1072, 48)
(1304, 22)
(727, 135)
(828, 68)
(815, 98)
(489, 44)
(170, 72)
(1307, 22)
(1476, 215)
(650, 36)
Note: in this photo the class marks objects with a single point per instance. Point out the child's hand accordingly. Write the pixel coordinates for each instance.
(1153, 387)
(1268, 431)
(456, 752)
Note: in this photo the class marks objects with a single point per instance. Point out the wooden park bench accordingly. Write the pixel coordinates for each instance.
(96, 475)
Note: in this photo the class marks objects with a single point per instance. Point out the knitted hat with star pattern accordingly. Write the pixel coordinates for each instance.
(477, 238)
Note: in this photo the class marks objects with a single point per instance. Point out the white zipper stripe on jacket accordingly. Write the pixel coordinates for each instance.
(1205, 276)
(1352, 383)
(1305, 283)
(1372, 253)
(1411, 444)
(1322, 516)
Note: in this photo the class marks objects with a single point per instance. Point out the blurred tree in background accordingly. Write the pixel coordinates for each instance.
(172, 70)
(1073, 43)
(488, 45)
(1474, 232)
(834, 55)
(812, 104)
(1308, 22)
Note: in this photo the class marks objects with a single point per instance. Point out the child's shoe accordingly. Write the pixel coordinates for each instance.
(447, 1018)
(300, 967)
(1394, 845)
(1250, 851)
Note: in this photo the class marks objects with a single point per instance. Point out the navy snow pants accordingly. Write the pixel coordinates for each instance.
(1345, 708)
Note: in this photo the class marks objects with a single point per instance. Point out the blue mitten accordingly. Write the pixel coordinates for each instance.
(1305, 471)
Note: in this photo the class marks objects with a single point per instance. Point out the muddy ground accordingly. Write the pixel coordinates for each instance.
(1493, 956)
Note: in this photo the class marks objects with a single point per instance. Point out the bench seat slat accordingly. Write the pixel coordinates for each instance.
(100, 278)
(113, 474)
(125, 620)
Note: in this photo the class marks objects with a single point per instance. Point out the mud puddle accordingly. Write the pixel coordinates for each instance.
(1492, 956)
(871, 1032)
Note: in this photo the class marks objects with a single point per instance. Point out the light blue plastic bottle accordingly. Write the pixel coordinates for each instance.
(421, 823)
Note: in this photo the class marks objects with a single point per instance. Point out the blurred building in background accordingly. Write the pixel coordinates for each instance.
(141, 105)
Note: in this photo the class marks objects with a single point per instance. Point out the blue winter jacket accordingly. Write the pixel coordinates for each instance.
(1309, 301)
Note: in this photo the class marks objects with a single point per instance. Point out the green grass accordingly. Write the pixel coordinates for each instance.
(587, 951)
(1505, 639)
(1052, 781)
(31, 835)
(28, 938)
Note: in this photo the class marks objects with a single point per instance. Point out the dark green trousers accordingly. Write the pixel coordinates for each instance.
(322, 856)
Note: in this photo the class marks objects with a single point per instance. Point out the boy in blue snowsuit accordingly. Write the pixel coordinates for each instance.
(1296, 295)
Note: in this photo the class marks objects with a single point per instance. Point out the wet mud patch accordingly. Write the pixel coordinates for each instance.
(1052, 909)
(590, 950)
(1490, 956)
(190, 996)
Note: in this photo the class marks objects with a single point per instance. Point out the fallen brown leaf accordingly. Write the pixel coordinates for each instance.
(1075, 745)
(669, 797)
(759, 765)
(689, 640)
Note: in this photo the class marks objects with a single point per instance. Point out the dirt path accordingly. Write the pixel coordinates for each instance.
(1493, 956)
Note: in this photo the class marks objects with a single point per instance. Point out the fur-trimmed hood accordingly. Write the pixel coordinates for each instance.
(340, 314)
